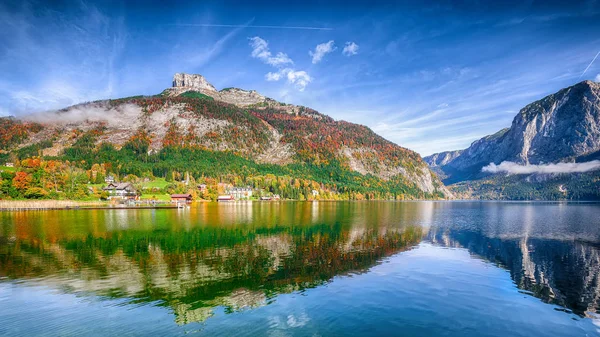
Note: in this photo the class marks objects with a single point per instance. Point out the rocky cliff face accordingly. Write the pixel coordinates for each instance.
(442, 158)
(183, 83)
(192, 82)
(560, 127)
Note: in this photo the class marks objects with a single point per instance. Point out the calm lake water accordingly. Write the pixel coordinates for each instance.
(304, 269)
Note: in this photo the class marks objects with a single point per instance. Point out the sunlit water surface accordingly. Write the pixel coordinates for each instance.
(304, 269)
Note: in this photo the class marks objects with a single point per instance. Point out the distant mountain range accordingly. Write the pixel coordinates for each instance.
(561, 128)
(263, 135)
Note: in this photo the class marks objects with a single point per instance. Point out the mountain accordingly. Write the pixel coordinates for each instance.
(239, 132)
(562, 127)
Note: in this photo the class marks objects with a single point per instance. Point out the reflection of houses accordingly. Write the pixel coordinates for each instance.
(120, 191)
(239, 193)
(181, 198)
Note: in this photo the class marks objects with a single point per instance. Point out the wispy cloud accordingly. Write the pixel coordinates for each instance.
(75, 62)
(300, 79)
(589, 65)
(260, 50)
(248, 26)
(200, 58)
(321, 50)
(350, 49)
(514, 168)
(94, 112)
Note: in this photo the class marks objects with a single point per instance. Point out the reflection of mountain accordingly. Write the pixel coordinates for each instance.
(565, 273)
(193, 271)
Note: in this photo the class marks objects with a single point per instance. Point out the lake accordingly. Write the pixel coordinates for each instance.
(304, 269)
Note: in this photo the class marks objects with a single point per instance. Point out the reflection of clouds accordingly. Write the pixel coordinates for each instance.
(279, 323)
(279, 246)
(299, 321)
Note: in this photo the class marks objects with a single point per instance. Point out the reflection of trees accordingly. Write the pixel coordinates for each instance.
(196, 270)
(566, 273)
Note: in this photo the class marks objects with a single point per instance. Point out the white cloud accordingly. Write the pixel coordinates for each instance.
(350, 49)
(321, 50)
(597, 79)
(118, 116)
(514, 168)
(300, 79)
(270, 76)
(260, 50)
(279, 59)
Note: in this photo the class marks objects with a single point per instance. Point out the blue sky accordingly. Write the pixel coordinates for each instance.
(430, 76)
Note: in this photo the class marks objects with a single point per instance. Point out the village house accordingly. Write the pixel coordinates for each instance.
(186, 198)
(123, 191)
(240, 193)
(202, 187)
(109, 179)
(10, 165)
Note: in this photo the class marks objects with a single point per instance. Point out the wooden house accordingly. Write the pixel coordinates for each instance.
(181, 198)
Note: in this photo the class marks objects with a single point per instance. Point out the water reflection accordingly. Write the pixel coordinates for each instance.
(234, 256)
(243, 255)
(551, 250)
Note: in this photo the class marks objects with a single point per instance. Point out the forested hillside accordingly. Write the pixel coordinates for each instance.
(273, 147)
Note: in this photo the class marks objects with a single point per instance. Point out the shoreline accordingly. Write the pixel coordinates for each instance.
(44, 205)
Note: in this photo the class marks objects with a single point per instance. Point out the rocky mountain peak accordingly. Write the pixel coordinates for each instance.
(589, 83)
(560, 127)
(192, 82)
(183, 83)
